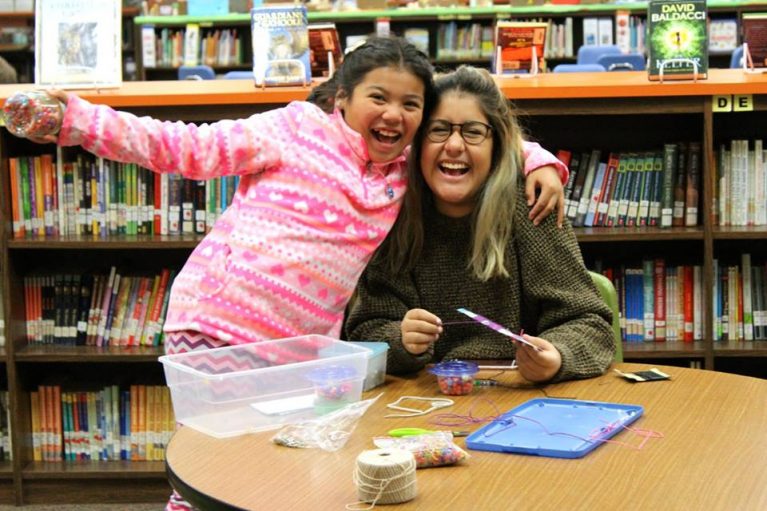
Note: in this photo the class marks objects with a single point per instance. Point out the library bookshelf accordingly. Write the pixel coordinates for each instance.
(578, 112)
(451, 33)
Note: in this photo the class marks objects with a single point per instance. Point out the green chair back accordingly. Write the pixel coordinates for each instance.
(610, 296)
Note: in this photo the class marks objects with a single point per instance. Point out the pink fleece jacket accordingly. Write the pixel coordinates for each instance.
(310, 210)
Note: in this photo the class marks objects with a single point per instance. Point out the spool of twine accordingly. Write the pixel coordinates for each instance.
(385, 476)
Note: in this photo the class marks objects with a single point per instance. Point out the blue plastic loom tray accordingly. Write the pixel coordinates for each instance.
(559, 428)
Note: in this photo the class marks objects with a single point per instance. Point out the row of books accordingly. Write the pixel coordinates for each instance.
(111, 309)
(95, 196)
(456, 40)
(741, 184)
(462, 41)
(740, 300)
(630, 32)
(616, 189)
(172, 47)
(133, 424)
(659, 302)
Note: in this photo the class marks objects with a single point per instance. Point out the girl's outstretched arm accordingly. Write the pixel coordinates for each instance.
(226, 147)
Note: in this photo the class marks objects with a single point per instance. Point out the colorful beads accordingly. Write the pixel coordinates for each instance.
(456, 385)
(429, 449)
(438, 455)
(333, 390)
(33, 114)
(456, 377)
(333, 386)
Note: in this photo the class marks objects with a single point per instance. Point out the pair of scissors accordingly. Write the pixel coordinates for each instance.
(402, 432)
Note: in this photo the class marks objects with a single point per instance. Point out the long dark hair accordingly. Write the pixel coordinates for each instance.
(496, 201)
(375, 53)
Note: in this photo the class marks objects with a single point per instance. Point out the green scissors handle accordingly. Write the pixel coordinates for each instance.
(401, 432)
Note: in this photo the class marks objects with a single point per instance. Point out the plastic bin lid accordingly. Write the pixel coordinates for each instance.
(559, 428)
(330, 374)
(375, 347)
(455, 368)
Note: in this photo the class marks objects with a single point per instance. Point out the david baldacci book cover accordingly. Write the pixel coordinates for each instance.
(280, 45)
(677, 36)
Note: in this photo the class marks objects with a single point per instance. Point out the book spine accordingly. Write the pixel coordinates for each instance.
(588, 184)
(16, 210)
(748, 311)
(636, 168)
(697, 327)
(158, 337)
(646, 187)
(688, 307)
(608, 190)
(597, 190)
(616, 201)
(104, 309)
(659, 273)
(670, 158)
(680, 185)
(693, 185)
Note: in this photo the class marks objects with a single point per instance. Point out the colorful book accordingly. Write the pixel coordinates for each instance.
(515, 43)
(693, 185)
(677, 39)
(325, 48)
(754, 25)
(280, 39)
(680, 186)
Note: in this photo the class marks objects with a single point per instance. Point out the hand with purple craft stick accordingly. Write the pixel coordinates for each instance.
(419, 328)
(498, 328)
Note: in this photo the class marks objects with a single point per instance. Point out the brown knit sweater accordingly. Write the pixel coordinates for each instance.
(549, 293)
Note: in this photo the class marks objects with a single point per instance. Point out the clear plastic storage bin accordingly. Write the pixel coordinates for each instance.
(377, 353)
(240, 389)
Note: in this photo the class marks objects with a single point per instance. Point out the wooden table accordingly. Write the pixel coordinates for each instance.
(713, 454)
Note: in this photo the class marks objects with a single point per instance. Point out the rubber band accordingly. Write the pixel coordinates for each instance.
(436, 404)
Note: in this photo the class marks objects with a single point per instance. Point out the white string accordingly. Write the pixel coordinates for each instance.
(379, 482)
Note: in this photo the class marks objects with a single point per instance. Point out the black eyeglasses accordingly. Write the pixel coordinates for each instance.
(472, 132)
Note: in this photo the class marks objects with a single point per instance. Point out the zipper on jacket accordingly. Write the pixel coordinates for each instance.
(389, 189)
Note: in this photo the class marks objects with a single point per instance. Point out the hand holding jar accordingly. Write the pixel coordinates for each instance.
(36, 115)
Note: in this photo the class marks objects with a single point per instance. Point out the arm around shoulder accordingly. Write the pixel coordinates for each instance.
(536, 157)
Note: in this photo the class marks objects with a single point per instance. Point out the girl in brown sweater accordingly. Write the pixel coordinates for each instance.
(464, 239)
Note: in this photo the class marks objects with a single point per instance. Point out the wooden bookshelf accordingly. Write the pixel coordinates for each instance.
(561, 111)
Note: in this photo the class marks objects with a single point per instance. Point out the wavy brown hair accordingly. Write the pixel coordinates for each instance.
(492, 218)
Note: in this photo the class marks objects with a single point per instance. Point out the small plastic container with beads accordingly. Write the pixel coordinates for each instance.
(456, 377)
(333, 386)
(33, 114)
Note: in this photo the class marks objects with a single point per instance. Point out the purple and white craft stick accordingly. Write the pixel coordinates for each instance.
(498, 328)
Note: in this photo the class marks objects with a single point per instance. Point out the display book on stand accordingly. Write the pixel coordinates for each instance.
(78, 44)
(754, 58)
(287, 50)
(677, 40)
(519, 48)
